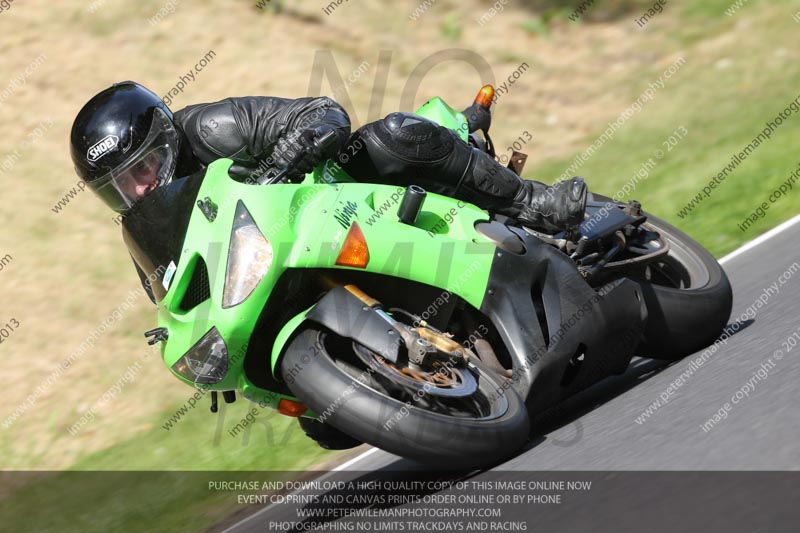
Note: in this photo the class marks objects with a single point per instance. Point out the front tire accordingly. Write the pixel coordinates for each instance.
(351, 400)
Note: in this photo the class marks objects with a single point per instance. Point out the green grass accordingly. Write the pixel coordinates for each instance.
(201, 441)
(451, 27)
(723, 96)
(174, 495)
(124, 501)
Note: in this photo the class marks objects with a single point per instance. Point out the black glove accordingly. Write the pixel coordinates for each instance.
(300, 143)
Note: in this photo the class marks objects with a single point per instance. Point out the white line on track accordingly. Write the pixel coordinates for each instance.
(339, 468)
(761, 238)
(355, 460)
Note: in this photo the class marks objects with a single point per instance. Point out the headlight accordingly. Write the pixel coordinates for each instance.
(206, 362)
(249, 258)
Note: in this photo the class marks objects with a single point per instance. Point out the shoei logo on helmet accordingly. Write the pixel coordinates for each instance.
(102, 147)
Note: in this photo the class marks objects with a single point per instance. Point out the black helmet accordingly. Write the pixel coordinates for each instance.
(124, 144)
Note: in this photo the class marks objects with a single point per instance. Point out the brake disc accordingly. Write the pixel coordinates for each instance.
(443, 379)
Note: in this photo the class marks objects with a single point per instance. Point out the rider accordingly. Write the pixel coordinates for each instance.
(125, 142)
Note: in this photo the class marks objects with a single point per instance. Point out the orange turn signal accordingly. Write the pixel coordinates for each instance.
(485, 96)
(291, 408)
(354, 250)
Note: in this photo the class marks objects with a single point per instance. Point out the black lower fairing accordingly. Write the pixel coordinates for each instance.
(155, 228)
(562, 334)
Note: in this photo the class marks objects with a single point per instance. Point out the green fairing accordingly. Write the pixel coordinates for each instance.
(306, 224)
(438, 111)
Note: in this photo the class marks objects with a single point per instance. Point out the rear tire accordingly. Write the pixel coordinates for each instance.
(682, 320)
(351, 404)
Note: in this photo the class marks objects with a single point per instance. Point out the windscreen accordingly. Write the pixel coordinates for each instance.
(155, 227)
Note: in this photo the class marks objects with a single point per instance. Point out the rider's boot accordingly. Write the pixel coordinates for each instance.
(554, 208)
(549, 208)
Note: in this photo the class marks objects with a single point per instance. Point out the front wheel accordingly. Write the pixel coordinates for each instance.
(464, 432)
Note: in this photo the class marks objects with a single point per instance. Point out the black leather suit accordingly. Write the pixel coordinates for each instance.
(396, 150)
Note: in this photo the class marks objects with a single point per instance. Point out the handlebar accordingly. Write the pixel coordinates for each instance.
(322, 142)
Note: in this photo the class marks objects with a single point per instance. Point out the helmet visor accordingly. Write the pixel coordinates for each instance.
(150, 166)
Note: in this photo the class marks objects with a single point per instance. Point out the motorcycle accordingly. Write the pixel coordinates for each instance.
(411, 321)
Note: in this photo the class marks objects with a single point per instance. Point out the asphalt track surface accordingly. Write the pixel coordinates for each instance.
(598, 430)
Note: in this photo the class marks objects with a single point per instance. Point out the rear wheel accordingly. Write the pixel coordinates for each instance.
(403, 410)
(688, 295)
